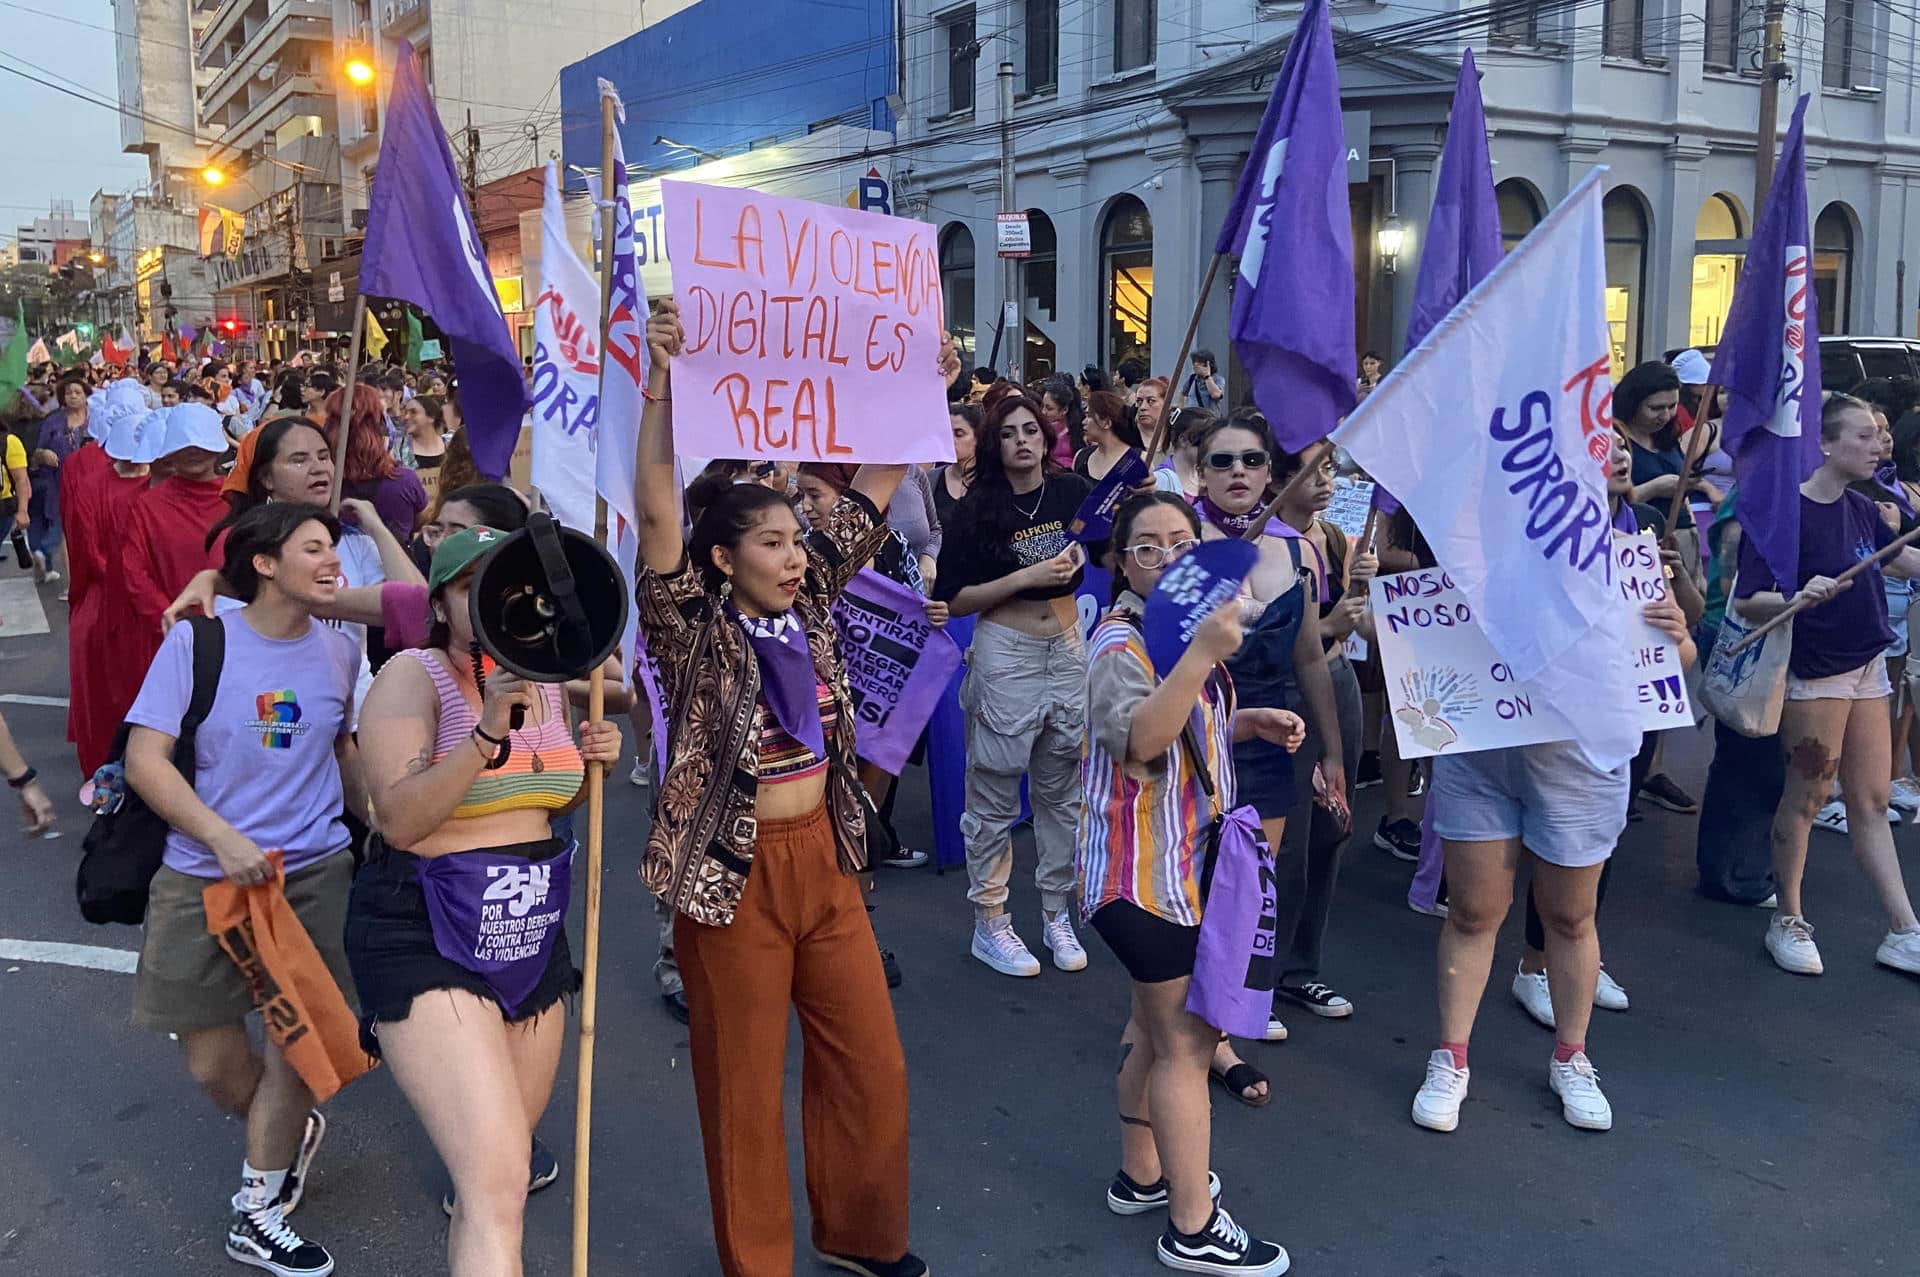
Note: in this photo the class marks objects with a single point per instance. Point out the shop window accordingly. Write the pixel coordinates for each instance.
(1126, 275)
(1624, 219)
(1833, 268)
(1519, 207)
(1039, 279)
(956, 286)
(1719, 251)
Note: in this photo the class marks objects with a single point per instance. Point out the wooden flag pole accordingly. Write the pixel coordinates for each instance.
(1309, 462)
(346, 401)
(1697, 437)
(596, 776)
(1176, 392)
(1892, 548)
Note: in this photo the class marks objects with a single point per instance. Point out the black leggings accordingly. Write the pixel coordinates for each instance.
(1636, 776)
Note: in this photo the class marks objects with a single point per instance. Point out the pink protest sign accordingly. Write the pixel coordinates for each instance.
(813, 331)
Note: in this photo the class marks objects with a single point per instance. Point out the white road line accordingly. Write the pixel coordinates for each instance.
(21, 698)
(92, 956)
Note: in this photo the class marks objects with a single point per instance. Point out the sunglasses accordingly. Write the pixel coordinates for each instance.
(1251, 459)
(1149, 556)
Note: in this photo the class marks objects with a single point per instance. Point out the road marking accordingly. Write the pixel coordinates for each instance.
(21, 698)
(92, 956)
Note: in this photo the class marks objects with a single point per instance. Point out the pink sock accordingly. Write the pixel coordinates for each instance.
(1563, 1052)
(1459, 1052)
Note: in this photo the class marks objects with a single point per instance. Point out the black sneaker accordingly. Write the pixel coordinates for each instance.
(891, 965)
(1662, 792)
(261, 1238)
(1126, 1197)
(294, 1187)
(1221, 1247)
(543, 1168)
(1401, 839)
(1367, 775)
(904, 857)
(908, 1265)
(1317, 998)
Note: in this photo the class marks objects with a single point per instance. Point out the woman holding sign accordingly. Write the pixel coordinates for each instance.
(1008, 558)
(1155, 778)
(757, 837)
(1835, 719)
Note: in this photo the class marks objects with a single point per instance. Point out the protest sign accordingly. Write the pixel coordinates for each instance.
(812, 332)
(1094, 520)
(1450, 693)
(1188, 593)
(1352, 498)
(898, 665)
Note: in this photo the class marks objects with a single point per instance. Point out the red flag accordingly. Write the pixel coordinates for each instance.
(168, 350)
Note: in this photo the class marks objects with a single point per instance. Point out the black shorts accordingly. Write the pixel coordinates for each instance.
(390, 945)
(1152, 949)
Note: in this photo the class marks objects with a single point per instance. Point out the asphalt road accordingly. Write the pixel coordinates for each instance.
(1763, 1123)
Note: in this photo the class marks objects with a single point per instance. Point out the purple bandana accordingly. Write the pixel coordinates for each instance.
(1236, 525)
(1624, 521)
(1888, 477)
(497, 915)
(787, 677)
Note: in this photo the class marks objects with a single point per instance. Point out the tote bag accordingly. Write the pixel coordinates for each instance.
(1746, 691)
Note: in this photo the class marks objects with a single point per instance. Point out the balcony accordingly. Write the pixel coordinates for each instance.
(229, 37)
(399, 18)
(289, 41)
(291, 93)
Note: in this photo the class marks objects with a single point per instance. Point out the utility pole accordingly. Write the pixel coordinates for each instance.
(1010, 300)
(473, 167)
(1773, 69)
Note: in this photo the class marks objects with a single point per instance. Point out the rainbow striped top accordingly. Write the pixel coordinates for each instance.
(543, 772)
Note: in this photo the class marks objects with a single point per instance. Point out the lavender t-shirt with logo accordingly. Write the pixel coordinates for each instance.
(264, 758)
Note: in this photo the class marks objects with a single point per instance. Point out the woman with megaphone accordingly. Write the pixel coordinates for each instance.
(757, 837)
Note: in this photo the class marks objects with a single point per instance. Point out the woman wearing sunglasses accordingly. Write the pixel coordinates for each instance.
(1159, 764)
(1282, 664)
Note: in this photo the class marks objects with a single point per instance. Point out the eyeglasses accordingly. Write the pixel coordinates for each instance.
(1149, 556)
(1252, 459)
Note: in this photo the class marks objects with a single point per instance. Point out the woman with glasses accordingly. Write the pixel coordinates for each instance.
(1159, 765)
(1282, 663)
(1007, 558)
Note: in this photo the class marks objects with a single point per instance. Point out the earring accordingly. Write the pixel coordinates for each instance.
(439, 616)
(726, 588)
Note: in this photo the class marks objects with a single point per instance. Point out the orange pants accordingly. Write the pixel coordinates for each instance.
(800, 940)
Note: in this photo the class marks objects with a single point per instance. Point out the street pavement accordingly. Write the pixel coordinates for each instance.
(1764, 1123)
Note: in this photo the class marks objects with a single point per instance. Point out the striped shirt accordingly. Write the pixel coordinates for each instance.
(1143, 829)
(782, 758)
(544, 770)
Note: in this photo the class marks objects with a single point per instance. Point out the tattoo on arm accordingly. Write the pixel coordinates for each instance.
(420, 762)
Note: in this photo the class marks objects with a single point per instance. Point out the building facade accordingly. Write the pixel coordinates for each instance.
(155, 56)
(150, 280)
(1132, 121)
(52, 240)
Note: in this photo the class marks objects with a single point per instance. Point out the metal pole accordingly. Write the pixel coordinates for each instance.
(1773, 69)
(1010, 266)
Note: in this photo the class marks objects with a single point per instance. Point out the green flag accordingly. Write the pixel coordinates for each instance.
(13, 361)
(415, 338)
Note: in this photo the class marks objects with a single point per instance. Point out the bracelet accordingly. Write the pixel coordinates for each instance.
(485, 753)
(24, 779)
(481, 732)
(650, 397)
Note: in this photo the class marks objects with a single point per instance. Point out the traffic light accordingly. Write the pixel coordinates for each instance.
(84, 329)
(231, 329)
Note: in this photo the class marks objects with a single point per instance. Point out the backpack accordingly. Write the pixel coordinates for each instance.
(124, 847)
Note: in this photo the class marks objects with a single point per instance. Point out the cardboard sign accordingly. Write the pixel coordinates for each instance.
(1188, 593)
(813, 332)
(1352, 498)
(1449, 693)
(898, 665)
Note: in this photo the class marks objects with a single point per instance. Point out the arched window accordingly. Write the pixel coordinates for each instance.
(1719, 250)
(1126, 283)
(1520, 211)
(1039, 275)
(1624, 219)
(1833, 267)
(956, 286)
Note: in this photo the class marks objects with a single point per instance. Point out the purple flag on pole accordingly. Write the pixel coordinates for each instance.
(1293, 309)
(421, 247)
(1769, 364)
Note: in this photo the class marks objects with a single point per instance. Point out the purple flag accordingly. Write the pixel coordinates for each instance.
(1769, 363)
(1293, 309)
(421, 247)
(898, 665)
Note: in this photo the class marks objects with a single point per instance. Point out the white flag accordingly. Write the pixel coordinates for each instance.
(566, 370)
(1494, 433)
(625, 370)
(38, 352)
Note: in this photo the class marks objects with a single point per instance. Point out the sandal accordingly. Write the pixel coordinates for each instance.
(1237, 1080)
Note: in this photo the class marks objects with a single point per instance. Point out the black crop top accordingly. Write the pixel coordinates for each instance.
(967, 559)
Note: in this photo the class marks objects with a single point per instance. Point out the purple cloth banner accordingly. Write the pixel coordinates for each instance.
(898, 666)
(1234, 968)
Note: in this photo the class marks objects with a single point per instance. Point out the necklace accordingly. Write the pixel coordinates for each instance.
(1039, 495)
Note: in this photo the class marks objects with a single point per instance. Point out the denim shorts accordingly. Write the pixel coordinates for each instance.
(1560, 806)
(1868, 683)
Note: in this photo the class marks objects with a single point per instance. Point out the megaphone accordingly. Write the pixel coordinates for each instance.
(548, 603)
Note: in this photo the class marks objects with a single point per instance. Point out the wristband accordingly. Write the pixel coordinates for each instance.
(650, 397)
(24, 779)
(495, 741)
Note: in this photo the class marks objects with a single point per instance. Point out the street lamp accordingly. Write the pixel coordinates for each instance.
(1392, 237)
(212, 175)
(360, 71)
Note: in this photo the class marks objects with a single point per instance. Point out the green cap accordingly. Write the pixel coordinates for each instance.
(457, 553)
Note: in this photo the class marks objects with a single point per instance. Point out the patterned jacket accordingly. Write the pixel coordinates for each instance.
(701, 847)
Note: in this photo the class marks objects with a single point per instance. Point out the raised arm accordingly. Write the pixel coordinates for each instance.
(395, 563)
(656, 494)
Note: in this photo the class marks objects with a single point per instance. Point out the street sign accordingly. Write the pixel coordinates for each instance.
(336, 291)
(1013, 235)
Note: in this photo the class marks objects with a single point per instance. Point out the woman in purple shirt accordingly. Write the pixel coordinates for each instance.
(1835, 719)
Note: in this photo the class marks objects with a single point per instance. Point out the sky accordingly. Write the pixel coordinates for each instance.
(51, 145)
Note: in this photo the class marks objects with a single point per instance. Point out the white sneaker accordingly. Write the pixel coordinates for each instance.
(1276, 1031)
(1906, 795)
(996, 944)
(39, 566)
(1067, 952)
(639, 775)
(1771, 902)
(1901, 951)
(1530, 991)
(1832, 818)
(1608, 995)
(1437, 1105)
(1790, 944)
(1578, 1087)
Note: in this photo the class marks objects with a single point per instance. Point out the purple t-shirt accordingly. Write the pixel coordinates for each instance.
(1850, 629)
(399, 500)
(264, 758)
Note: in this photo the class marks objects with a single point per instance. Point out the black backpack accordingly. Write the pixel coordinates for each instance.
(123, 848)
